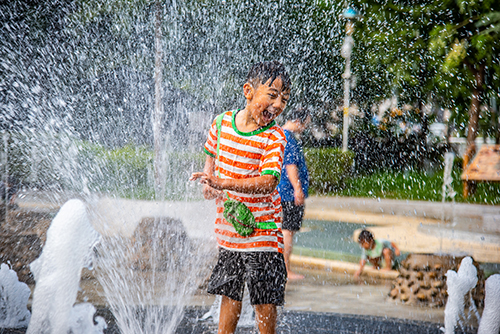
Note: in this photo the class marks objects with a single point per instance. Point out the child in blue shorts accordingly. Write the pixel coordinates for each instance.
(294, 183)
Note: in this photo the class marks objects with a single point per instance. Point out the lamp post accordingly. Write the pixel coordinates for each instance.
(349, 14)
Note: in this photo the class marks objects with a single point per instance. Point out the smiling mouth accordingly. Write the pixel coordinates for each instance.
(267, 115)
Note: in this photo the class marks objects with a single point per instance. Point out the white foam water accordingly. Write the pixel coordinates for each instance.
(490, 321)
(57, 271)
(13, 299)
(459, 283)
(82, 320)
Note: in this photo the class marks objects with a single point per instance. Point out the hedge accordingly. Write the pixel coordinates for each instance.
(328, 168)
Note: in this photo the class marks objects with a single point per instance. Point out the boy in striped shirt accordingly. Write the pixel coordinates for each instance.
(247, 169)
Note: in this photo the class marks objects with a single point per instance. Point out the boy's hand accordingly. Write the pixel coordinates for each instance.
(209, 192)
(299, 197)
(196, 176)
(357, 275)
(204, 178)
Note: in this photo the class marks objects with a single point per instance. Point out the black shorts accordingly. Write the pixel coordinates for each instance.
(292, 216)
(264, 272)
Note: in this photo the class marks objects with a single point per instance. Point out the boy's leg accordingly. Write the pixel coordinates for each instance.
(288, 243)
(230, 311)
(227, 280)
(292, 221)
(266, 315)
(387, 254)
(375, 262)
(266, 284)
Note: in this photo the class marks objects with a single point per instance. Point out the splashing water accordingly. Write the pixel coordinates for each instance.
(459, 283)
(57, 271)
(147, 277)
(152, 257)
(490, 321)
(82, 320)
(13, 299)
(247, 318)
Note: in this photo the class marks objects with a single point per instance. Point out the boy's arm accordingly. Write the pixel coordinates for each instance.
(264, 184)
(362, 263)
(396, 249)
(293, 176)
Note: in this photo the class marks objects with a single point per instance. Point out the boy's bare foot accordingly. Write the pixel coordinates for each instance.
(293, 276)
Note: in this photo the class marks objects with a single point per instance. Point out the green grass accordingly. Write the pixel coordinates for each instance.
(416, 185)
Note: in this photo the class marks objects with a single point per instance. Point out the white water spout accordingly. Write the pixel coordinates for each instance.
(58, 269)
(490, 321)
(13, 299)
(459, 283)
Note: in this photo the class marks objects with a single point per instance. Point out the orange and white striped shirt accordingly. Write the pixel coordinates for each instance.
(245, 155)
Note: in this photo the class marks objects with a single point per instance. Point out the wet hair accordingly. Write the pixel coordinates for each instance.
(263, 71)
(365, 235)
(299, 114)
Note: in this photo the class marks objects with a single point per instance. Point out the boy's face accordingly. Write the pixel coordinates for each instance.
(265, 102)
(366, 244)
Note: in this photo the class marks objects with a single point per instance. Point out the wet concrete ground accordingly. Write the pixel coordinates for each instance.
(297, 322)
(327, 301)
(324, 302)
(321, 291)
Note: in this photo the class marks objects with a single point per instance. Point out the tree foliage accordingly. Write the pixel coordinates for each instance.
(444, 50)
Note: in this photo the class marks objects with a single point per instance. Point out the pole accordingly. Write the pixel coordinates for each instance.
(346, 52)
(345, 129)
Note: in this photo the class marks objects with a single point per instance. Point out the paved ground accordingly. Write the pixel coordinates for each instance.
(293, 322)
(328, 287)
(299, 322)
(321, 291)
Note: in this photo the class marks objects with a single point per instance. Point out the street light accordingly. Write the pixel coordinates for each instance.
(350, 14)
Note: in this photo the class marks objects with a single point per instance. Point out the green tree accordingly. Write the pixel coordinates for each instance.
(444, 49)
(467, 49)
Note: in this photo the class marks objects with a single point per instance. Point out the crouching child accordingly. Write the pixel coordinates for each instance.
(375, 251)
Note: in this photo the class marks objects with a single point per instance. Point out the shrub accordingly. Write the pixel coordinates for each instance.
(128, 171)
(328, 167)
(122, 170)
